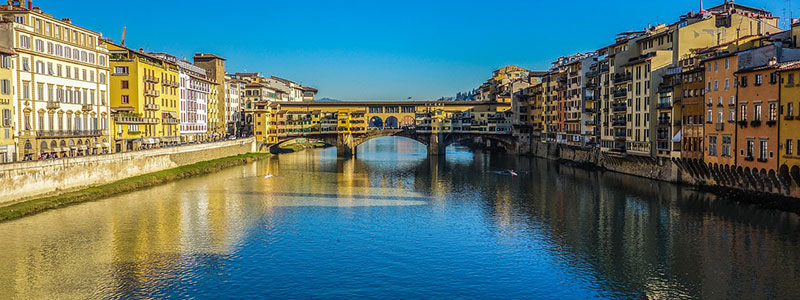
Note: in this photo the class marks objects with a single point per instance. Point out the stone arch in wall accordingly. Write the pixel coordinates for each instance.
(391, 123)
(376, 122)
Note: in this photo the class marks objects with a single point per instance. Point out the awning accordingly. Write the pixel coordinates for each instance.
(678, 137)
(149, 141)
(157, 141)
(106, 145)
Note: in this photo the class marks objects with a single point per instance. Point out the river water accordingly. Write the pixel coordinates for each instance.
(396, 224)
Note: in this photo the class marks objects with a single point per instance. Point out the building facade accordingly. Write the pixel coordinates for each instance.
(60, 82)
(145, 99)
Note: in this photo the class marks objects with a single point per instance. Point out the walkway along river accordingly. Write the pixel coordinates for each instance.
(394, 223)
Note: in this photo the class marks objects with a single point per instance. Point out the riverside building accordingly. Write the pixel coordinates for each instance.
(59, 82)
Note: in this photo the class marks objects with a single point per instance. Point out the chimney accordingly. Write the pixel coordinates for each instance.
(30, 4)
(773, 61)
(68, 20)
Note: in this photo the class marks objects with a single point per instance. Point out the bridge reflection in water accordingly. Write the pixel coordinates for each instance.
(437, 224)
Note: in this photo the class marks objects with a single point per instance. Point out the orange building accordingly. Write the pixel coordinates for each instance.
(757, 116)
(720, 127)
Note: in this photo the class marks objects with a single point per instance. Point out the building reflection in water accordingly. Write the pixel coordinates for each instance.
(623, 236)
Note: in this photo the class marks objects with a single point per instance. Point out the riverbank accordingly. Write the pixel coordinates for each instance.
(760, 188)
(32, 207)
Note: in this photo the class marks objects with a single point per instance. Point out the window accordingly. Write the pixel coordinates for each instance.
(712, 145)
(744, 81)
(764, 151)
(758, 80)
(773, 111)
(25, 64)
(7, 118)
(26, 90)
(720, 117)
(124, 84)
(5, 87)
(790, 109)
(757, 112)
(121, 70)
(716, 85)
(750, 148)
(789, 147)
(25, 41)
(743, 113)
(6, 62)
(710, 117)
(124, 99)
(732, 101)
(727, 63)
(727, 83)
(726, 146)
(732, 115)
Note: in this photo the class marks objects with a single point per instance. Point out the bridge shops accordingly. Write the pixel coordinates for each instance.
(355, 122)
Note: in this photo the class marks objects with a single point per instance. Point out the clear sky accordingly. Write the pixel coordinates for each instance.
(377, 50)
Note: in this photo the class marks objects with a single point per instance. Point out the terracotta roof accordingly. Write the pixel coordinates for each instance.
(7, 51)
(207, 55)
(791, 65)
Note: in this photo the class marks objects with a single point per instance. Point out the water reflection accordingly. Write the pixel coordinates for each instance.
(395, 223)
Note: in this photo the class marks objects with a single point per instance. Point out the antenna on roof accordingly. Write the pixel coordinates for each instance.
(123, 35)
(702, 11)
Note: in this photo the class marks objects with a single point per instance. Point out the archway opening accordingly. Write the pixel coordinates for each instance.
(391, 123)
(375, 123)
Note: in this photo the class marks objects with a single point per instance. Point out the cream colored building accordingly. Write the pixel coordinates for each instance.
(61, 83)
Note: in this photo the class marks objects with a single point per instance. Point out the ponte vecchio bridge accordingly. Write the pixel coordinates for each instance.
(346, 125)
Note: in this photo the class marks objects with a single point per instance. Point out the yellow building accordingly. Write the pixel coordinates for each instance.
(144, 100)
(7, 145)
(789, 122)
(216, 125)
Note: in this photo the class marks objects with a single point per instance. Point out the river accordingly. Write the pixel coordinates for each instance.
(397, 224)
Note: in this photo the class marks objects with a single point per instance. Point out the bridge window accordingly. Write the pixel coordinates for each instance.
(375, 109)
(408, 109)
(392, 109)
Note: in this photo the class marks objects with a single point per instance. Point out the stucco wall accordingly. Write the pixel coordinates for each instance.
(24, 180)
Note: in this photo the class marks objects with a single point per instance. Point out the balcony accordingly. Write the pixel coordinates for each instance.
(719, 126)
(152, 106)
(749, 158)
(763, 160)
(53, 105)
(68, 133)
(619, 123)
(755, 123)
(664, 122)
(621, 93)
(134, 120)
(151, 79)
(664, 105)
(743, 123)
(622, 78)
(171, 83)
(86, 107)
(771, 123)
(151, 93)
(620, 108)
(170, 121)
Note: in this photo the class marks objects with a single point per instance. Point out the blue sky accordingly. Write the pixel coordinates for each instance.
(377, 50)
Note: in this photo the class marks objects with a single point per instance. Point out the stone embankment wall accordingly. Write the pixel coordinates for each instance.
(26, 180)
(691, 172)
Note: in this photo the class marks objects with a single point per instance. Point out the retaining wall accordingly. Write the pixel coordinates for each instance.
(25, 180)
